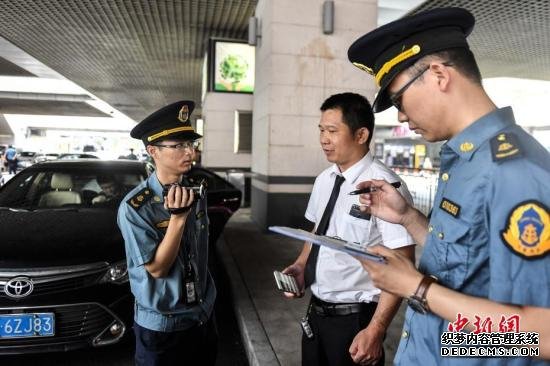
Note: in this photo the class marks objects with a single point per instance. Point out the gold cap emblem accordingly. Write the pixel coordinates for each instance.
(183, 116)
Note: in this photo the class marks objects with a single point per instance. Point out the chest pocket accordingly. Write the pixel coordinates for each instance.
(455, 251)
(358, 229)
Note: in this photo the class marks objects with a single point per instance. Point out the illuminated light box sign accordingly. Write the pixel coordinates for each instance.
(232, 67)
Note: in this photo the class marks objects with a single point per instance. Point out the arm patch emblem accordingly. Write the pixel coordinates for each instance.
(527, 232)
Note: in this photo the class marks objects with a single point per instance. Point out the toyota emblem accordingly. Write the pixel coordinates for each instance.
(19, 287)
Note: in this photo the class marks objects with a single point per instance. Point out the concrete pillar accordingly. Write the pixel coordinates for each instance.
(297, 68)
(218, 113)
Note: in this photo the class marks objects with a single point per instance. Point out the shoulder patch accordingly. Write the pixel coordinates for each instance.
(140, 198)
(527, 231)
(505, 146)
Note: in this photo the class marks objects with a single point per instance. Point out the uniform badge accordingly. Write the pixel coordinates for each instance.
(183, 115)
(140, 198)
(528, 230)
(450, 207)
(355, 211)
(162, 225)
(504, 146)
(466, 146)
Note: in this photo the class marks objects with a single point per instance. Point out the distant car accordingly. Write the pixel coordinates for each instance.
(25, 159)
(77, 156)
(45, 157)
(88, 148)
(63, 277)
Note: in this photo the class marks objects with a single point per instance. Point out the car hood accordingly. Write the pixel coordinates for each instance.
(47, 238)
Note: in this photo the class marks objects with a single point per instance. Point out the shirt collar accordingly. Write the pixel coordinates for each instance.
(154, 184)
(472, 137)
(352, 173)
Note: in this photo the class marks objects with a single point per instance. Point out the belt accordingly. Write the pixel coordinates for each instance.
(324, 308)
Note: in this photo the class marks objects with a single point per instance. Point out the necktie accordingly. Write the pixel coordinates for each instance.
(311, 264)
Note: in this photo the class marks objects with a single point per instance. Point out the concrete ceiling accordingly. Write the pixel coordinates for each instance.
(136, 55)
(140, 54)
(8, 68)
(48, 107)
(510, 38)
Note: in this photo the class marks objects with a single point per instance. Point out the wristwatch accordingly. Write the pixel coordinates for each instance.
(418, 301)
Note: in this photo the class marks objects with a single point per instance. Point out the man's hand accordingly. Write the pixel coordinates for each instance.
(384, 201)
(397, 276)
(367, 346)
(99, 198)
(179, 198)
(296, 270)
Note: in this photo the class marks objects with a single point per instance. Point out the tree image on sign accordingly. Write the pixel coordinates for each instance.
(233, 69)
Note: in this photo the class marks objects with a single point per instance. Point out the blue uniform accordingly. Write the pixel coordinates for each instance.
(161, 302)
(10, 153)
(489, 232)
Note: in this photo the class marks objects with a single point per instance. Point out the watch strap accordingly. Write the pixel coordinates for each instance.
(422, 288)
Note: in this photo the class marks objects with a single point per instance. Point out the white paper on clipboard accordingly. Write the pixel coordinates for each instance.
(327, 241)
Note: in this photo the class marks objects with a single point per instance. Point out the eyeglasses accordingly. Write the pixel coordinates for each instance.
(192, 145)
(396, 97)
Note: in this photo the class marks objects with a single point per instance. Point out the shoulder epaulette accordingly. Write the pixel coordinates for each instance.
(505, 146)
(140, 198)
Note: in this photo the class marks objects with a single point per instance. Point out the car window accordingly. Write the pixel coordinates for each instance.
(37, 189)
(214, 181)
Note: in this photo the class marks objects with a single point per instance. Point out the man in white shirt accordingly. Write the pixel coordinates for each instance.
(348, 316)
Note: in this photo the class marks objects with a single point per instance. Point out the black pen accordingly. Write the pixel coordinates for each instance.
(370, 189)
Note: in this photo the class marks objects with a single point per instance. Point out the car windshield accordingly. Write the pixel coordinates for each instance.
(69, 187)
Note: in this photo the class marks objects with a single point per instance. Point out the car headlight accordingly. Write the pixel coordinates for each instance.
(116, 273)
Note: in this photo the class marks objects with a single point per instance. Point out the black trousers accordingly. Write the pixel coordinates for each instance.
(332, 337)
(12, 167)
(194, 346)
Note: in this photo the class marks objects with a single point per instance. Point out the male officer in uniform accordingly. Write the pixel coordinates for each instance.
(489, 232)
(11, 158)
(165, 228)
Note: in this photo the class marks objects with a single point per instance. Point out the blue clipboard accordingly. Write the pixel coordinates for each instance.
(348, 247)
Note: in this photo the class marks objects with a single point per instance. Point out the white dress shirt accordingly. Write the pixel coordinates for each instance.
(339, 277)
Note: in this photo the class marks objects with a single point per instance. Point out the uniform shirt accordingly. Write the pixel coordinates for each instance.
(160, 303)
(339, 277)
(478, 242)
(10, 153)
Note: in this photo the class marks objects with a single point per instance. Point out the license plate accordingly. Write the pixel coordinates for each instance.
(27, 325)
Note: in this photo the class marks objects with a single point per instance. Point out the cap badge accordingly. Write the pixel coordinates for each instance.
(183, 116)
